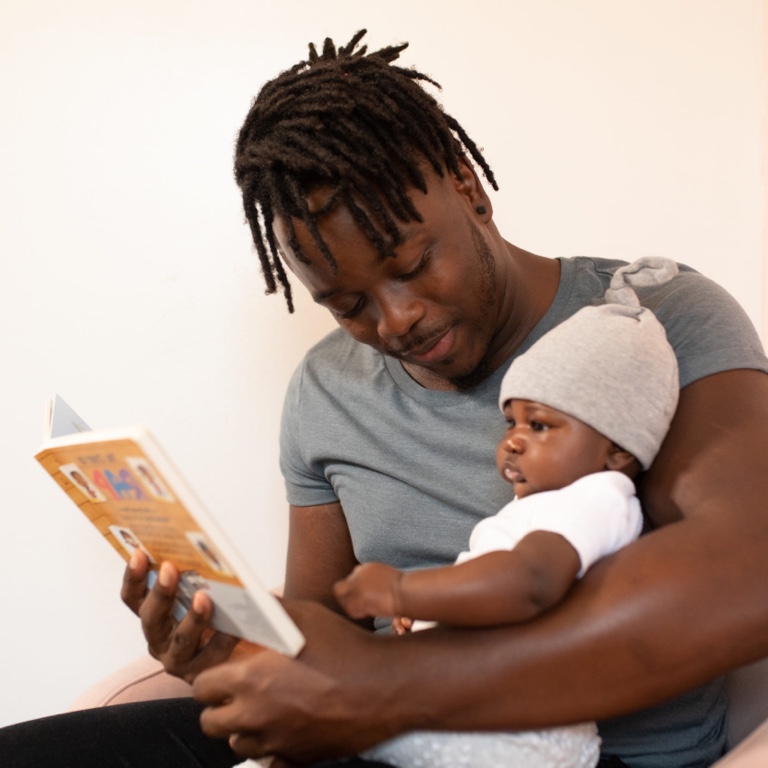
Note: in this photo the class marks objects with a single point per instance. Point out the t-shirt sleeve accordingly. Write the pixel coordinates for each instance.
(305, 482)
(598, 514)
(706, 327)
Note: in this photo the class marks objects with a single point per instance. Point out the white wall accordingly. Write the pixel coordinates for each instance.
(128, 283)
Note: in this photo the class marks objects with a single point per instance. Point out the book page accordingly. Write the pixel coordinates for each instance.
(60, 419)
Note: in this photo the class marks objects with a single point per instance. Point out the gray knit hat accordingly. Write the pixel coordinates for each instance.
(609, 366)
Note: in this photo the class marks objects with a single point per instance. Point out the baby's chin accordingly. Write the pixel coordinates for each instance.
(522, 489)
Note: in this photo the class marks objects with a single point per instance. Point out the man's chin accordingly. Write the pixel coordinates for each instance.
(467, 381)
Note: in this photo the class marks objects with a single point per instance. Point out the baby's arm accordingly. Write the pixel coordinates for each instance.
(497, 588)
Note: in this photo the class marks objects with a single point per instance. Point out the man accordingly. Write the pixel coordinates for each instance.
(354, 177)
(351, 176)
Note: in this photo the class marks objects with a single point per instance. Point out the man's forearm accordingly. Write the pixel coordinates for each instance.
(676, 608)
(629, 636)
(659, 617)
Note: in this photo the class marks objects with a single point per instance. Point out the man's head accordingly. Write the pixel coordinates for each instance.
(342, 129)
(433, 304)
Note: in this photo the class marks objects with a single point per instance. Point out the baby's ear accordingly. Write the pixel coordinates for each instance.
(622, 461)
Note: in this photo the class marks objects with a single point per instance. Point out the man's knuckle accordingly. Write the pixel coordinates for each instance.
(181, 641)
(209, 725)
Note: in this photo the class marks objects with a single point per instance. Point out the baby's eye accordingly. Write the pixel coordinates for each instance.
(537, 426)
(510, 424)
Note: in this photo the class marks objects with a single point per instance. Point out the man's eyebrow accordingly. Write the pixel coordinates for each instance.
(405, 237)
(323, 295)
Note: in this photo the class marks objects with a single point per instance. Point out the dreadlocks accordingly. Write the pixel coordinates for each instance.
(355, 124)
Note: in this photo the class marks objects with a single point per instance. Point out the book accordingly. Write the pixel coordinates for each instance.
(129, 489)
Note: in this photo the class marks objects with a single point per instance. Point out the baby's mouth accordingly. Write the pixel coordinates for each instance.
(513, 474)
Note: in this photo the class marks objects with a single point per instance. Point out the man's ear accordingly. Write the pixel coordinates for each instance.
(622, 461)
(468, 184)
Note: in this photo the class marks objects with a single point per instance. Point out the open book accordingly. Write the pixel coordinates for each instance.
(128, 488)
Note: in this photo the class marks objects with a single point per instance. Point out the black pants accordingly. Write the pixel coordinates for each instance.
(149, 734)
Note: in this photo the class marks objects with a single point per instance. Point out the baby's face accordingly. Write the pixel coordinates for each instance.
(545, 449)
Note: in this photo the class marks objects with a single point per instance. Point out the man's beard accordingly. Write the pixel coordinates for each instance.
(487, 266)
(464, 382)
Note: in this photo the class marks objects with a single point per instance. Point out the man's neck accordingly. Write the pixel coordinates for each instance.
(527, 287)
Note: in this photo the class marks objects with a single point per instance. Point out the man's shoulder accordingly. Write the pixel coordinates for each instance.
(337, 363)
(584, 280)
(604, 269)
(338, 348)
(330, 344)
(595, 264)
(706, 326)
(686, 291)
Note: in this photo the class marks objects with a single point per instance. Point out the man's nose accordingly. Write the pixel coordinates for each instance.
(399, 311)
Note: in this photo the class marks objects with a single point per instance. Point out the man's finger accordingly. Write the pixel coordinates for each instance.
(216, 685)
(218, 722)
(184, 642)
(134, 587)
(248, 745)
(155, 610)
(188, 653)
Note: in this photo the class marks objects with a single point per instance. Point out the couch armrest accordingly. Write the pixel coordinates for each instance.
(142, 680)
(750, 753)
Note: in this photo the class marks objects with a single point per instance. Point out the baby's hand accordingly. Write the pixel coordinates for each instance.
(401, 625)
(371, 589)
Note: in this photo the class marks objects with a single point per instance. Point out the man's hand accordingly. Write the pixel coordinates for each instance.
(184, 647)
(372, 589)
(302, 710)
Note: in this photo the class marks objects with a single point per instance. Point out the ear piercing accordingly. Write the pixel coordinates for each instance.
(480, 209)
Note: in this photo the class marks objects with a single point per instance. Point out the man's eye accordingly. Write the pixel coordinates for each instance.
(537, 426)
(349, 313)
(417, 269)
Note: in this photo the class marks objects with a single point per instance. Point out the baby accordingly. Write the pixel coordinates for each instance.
(587, 407)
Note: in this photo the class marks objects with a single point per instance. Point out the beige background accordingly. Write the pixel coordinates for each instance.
(127, 279)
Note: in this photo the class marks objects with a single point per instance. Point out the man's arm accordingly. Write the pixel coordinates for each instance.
(502, 587)
(319, 553)
(681, 605)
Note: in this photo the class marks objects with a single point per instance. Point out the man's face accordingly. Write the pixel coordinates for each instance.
(544, 449)
(433, 305)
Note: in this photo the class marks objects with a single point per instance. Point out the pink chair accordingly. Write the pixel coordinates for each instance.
(142, 680)
(747, 688)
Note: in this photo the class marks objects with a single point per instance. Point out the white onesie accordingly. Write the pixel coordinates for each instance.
(598, 514)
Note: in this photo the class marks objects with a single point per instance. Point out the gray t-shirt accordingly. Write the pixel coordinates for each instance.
(415, 470)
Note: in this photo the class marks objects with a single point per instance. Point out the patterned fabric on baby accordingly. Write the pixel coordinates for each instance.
(576, 746)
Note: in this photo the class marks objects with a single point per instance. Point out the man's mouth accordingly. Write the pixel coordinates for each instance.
(434, 350)
(424, 352)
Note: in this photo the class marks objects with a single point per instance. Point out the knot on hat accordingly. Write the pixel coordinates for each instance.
(649, 270)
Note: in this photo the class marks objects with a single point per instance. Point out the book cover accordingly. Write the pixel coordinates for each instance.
(128, 488)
